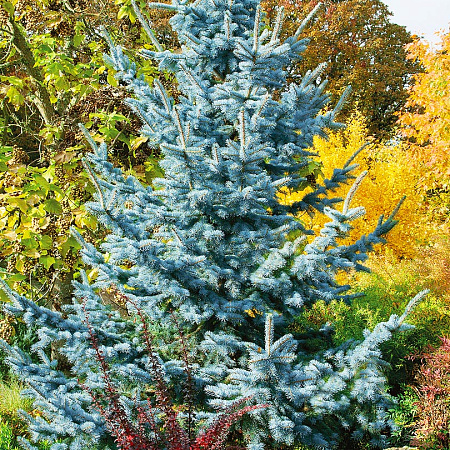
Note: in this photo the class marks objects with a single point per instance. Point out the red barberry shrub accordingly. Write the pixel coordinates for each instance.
(141, 430)
(433, 406)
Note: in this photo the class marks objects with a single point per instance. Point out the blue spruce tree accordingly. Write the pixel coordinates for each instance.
(211, 244)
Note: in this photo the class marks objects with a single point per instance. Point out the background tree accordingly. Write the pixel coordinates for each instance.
(426, 125)
(52, 76)
(362, 48)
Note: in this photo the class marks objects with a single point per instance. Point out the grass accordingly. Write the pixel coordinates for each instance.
(11, 424)
(10, 398)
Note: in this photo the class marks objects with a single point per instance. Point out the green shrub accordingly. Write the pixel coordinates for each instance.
(404, 415)
(6, 437)
(387, 291)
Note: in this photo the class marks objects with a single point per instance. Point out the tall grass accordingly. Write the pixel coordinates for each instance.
(10, 398)
(11, 424)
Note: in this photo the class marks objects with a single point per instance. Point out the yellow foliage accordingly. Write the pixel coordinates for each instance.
(425, 123)
(390, 177)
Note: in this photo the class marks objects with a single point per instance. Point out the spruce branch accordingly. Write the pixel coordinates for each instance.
(192, 78)
(317, 72)
(88, 137)
(354, 155)
(262, 106)
(163, 95)
(227, 24)
(193, 39)
(343, 99)
(352, 191)
(177, 237)
(256, 29)
(95, 182)
(412, 304)
(306, 21)
(397, 207)
(215, 153)
(146, 27)
(242, 134)
(278, 24)
(111, 200)
(269, 333)
(166, 6)
(180, 128)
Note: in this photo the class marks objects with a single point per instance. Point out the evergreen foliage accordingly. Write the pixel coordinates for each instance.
(211, 243)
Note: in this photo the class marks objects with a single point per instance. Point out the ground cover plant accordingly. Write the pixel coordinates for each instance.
(11, 424)
(212, 245)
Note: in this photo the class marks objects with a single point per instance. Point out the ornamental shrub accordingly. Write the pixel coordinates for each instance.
(211, 243)
(433, 389)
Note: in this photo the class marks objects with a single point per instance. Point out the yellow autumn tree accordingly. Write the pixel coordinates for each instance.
(426, 125)
(390, 177)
